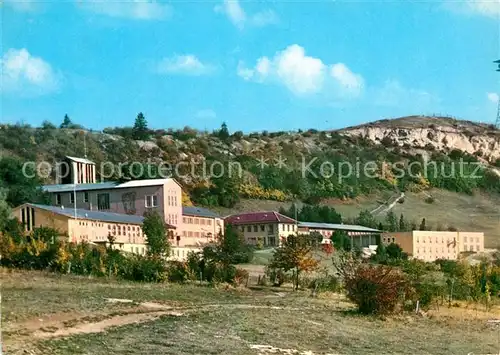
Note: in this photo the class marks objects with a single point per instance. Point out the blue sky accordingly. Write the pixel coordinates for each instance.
(255, 65)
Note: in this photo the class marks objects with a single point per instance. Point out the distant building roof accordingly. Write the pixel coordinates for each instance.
(259, 217)
(334, 226)
(103, 185)
(93, 215)
(80, 187)
(198, 211)
(80, 160)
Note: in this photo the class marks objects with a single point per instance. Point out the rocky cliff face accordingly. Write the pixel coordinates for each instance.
(485, 144)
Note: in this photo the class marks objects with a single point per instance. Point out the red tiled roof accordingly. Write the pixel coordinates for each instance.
(258, 217)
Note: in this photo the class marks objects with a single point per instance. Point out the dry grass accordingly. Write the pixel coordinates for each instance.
(193, 319)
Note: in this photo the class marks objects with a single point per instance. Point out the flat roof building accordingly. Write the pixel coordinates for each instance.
(432, 245)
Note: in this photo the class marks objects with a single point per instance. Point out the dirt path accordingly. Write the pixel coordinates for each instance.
(18, 335)
(97, 327)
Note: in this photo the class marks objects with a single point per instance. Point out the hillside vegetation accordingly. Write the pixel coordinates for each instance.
(307, 166)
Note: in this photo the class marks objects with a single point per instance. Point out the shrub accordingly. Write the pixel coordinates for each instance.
(177, 271)
(241, 276)
(429, 199)
(142, 268)
(427, 292)
(277, 276)
(217, 272)
(326, 283)
(376, 289)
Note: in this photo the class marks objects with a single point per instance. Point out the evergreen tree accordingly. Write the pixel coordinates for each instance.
(423, 227)
(380, 226)
(140, 131)
(403, 225)
(66, 122)
(223, 133)
(365, 218)
(394, 251)
(341, 241)
(381, 254)
(392, 222)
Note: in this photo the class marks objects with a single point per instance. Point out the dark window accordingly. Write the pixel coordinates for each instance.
(103, 202)
(255, 228)
(28, 219)
(23, 217)
(249, 228)
(85, 197)
(33, 217)
(58, 199)
(262, 227)
(71, 197)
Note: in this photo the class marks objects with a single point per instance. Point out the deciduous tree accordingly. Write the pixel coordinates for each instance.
(296, 253)
(156, 234)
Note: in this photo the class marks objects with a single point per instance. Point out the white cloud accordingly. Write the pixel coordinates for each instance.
(237, 15)
(244, 72)
(493, 97)
(394, 94)
(133, 9)
(264, 18)
(206, 114)
(488, 8)
(20, 5)
(302, 74)
(26, 74)
(351, 83)
(233, 11)
(184, 64)
(485, 7)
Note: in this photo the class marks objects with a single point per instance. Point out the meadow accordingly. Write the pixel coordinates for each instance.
(46, 313)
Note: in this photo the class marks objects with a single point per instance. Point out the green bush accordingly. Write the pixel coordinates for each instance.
(145, 269)
(217, 272)
(329, 283)
(277, 276)
(177, 272)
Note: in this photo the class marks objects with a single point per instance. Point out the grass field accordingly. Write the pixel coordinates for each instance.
(49, 314)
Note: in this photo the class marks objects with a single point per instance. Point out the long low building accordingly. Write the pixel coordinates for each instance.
(432, 245)
(267, 228)
(95, 227)
(361, 236)
(271, 227)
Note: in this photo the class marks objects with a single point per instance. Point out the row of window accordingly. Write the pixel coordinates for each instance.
(172, 219)
(447, 240)
(85, 198)
(194, 220)
(471, 239)
(471, 247)
(28, 218)
(119, 227)
(269, 241)
(171, 198)
(103, 201)
(92, 224)
(424, 250)
(287, 227)
(196, 234)
(255, 228)
(389, 240)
